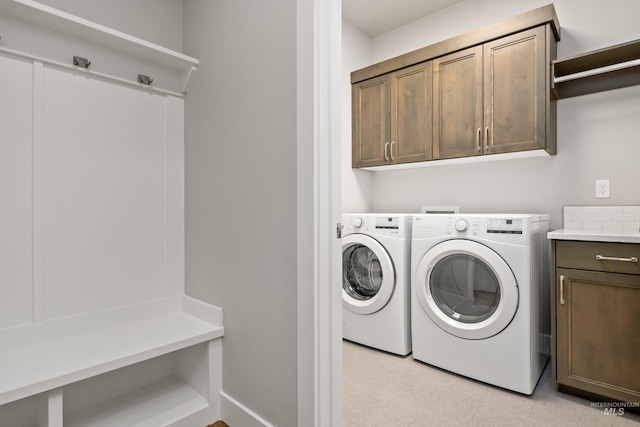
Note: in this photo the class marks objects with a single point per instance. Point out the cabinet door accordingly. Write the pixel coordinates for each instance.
(514, 92)
(371, 122)
(457, 104)
(598, 344)
(411, 114)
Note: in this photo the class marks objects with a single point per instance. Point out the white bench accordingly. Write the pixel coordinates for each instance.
(155, 363)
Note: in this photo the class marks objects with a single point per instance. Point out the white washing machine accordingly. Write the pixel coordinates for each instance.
(480, 296)
(375, 281)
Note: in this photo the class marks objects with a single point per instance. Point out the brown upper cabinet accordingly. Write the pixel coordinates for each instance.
(491, 98)
(484, 92)
(392, 117)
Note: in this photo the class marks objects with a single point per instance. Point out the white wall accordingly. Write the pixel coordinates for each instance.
(597, 133)
(241, 193)
(356, 184)
(157, 21)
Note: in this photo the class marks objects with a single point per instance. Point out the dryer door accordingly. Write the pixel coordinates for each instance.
(466, 289)
(368, 276)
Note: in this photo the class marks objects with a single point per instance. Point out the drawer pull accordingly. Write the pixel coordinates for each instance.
(562, 290)
(615, 258)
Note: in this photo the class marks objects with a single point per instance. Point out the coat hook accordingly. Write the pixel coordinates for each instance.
(81, 62)
(145, 80)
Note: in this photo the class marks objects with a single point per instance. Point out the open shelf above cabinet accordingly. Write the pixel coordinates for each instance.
(37, 15)
(600, 70)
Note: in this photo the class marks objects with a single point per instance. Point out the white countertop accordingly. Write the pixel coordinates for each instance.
(593, 236)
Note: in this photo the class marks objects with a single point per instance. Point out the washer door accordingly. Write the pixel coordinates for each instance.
(368, 277)
(466, 289)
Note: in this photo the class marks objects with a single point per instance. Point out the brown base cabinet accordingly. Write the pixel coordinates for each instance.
(597, 316)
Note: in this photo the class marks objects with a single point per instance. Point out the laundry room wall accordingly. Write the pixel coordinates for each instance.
(597, 133)
(356, 184)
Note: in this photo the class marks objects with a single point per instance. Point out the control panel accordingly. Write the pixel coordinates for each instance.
(388, 225)
(504, 225)
(463, 225)
(388, 222)
(474, 225)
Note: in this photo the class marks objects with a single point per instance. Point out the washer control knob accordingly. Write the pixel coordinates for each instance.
(357, 222)
(461, 225)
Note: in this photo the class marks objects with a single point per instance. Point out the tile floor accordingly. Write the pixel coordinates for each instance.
(381, 389)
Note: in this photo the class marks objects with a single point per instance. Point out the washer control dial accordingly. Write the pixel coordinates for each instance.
(462, 225)
(357, 222)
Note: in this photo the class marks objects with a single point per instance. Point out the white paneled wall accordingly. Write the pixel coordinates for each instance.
(15, 192)
(104, 195)
(91, 180)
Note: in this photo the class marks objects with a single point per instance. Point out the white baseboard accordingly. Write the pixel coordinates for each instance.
(235, 413)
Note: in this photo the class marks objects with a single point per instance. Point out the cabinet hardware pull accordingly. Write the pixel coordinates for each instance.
(391, 150)
(478, 140)
(486, 138)
(562, 290)
(386, 151)
(615, 258)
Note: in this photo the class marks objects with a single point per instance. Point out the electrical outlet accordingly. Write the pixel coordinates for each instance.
(603, 189)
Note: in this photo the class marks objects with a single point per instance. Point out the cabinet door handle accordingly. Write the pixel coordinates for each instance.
(479, 140)
(386, 151)
(486, 138)
(391, 150)
(615, 258)
(562, 290)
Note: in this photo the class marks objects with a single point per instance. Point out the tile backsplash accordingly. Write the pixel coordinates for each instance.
(605, 219)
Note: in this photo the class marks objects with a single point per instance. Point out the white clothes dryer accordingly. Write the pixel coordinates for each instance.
(480, 296)
(375, 281)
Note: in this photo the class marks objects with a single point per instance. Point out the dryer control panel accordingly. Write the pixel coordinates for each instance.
(459, 225)
(505, 225)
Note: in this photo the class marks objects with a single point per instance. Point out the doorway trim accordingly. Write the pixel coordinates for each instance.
(319, 37)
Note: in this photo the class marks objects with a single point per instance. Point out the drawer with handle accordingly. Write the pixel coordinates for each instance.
(599, 256)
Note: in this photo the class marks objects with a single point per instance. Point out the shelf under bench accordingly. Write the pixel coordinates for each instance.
(168, 400)
(41, 357)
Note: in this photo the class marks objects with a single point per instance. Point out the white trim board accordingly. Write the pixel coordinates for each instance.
(319, 211)
(235, 413)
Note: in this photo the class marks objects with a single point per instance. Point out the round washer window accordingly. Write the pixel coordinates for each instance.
(368, 275)
(361, 272)
(465, 288)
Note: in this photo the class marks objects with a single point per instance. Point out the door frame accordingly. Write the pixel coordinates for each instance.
(319, 319)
